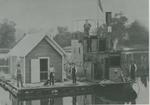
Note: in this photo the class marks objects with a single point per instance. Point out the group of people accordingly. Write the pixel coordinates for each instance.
(51, 74)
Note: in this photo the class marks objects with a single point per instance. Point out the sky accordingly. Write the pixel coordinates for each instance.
(48, 14)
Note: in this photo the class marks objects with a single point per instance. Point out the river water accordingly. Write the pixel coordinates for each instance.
(141, 88)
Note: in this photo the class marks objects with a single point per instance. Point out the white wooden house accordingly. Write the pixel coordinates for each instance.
(35, 53)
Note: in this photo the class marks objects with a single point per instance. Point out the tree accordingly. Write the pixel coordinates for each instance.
(61, 29)
(123, 33)
(63, 39)
(119, 29)
(7, 33)
(138, 34)
(129, 35)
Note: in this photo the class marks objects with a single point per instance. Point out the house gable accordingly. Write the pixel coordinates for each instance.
(44, 49)
(29, 42)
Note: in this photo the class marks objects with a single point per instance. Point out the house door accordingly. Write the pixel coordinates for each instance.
(97, 71)
(43, 69)
(35, 71)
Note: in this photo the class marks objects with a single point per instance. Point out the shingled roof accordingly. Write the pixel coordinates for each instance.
(30, 41)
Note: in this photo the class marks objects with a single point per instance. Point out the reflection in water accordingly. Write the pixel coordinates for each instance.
(133, 102)
(125, 95)
(74, 100)
(51, 101)
(47, 101)
(144, 80)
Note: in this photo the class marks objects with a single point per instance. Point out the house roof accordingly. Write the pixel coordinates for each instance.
(30, 41)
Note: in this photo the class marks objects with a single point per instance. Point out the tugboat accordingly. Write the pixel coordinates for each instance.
(104, 64)
(101, 62)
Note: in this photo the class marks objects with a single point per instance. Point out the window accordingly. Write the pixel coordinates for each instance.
(114, 61)
(94, 44)
(4, 65)
(102, 44)
(43, 69)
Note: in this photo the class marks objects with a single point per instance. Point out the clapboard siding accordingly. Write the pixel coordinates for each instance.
(44, 49)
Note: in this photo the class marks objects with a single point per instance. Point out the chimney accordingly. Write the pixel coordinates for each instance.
(108, 18)
(109, 29)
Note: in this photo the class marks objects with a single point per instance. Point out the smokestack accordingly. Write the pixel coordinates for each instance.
(108, 21)
(108, 18)
(109, 29)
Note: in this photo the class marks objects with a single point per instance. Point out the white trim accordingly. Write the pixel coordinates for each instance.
(24, 80)
(60, 48)
(63, 68)
(56, 46)
(4, 66)
(50, 41)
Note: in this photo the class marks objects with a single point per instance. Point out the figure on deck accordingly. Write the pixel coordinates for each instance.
(73, 71)
(132, 70)
(19, 76)
(51, 74)
(87, 27)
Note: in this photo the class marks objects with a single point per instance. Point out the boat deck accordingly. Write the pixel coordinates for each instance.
(67, 88)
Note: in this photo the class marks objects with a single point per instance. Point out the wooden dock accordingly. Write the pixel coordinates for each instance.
(26, 93)
(36, 92)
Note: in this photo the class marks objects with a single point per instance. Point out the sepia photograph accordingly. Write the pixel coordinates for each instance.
(74, 52)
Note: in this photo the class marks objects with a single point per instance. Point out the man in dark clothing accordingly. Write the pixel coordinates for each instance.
(19, 76)
(133, 69)
(74, 70)
(51, 74)
(87, 27)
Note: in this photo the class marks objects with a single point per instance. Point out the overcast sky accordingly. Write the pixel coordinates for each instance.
(48, 14)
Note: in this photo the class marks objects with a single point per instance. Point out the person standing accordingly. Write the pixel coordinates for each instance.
(133, 69)
(51, 74)
(73, 71)
(87, 27)
(19, 76)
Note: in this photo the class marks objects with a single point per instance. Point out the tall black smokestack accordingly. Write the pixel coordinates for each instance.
(109, 30)
(108, 18)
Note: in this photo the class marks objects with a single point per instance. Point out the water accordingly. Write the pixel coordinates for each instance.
(141, 88)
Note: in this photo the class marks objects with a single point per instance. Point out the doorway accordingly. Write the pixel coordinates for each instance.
(43, 69)
(106, 68)
(97, 71)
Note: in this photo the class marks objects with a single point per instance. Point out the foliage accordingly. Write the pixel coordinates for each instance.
(61, 29)
(64, 38)
(7, 33)
(138, 34)
(129, 35)
(118, 27)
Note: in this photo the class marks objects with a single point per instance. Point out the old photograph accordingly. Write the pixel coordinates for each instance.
(74, 52)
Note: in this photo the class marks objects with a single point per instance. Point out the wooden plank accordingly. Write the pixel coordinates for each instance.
(53, 91)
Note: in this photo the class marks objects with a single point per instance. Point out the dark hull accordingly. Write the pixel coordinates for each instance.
(117, 92)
